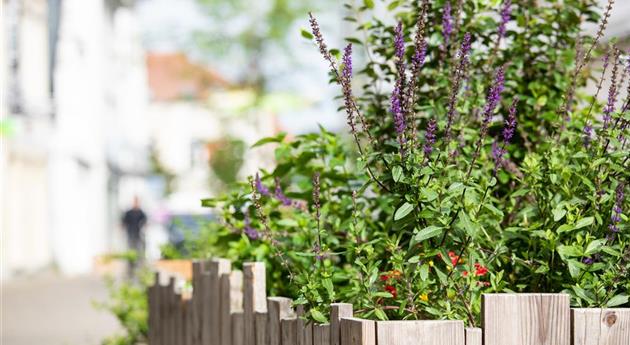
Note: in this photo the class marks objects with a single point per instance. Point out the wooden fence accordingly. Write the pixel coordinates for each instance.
(230, 307)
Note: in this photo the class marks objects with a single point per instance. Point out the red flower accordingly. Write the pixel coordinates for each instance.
(480, 270)
(465, 273)
(454, 258)
(391, 290)
(483, 283)
(384, 277)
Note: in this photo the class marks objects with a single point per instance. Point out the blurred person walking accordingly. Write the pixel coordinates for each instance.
(133, 221)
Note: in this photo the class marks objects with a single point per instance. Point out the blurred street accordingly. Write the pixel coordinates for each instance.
(54, 310)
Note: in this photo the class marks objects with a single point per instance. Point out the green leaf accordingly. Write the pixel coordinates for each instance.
(397, 173)
(328, 285)
(617, 300)
(287, 223)
(565, 228)
(584, 222)
(426, 233)
(277, 139)
(594, 246)
(558, 213)
(208, 202)
(306, 34)
(569, 251)
(393, 5)
(369, 3)
(424, 272)
(403, 211)
(384, 294)
(380, 314)
(318, 316)
(575, 267)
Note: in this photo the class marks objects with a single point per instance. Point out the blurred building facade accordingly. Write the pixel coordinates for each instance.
(86, 113)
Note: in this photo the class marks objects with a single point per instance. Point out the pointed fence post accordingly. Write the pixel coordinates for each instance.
(254, 298)
(526, 319)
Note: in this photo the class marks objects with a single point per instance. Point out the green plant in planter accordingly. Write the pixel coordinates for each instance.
(452, 195)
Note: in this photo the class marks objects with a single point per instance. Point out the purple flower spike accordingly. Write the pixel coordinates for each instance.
(447, 23)
(615, 218)
(252, 233)
(510, 122)
(280, 195)
(506, 12)
(420, 55)
(399, 117)
(399, 42)
(588, 134)
(260, 187)
(493, 98)
(497, 155)
(346, 72)
(429, 137)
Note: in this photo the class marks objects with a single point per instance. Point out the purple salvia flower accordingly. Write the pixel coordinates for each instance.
(399, 42)
(458, 76)
(252, 233)
(588, 134)
(280, 195)
(612, 94)
(429, 138)
(588, 261)
(447, 22)
(260, 187)
(497, 155)
(615, 218)
(420, 55)
(346, 72)
(510, 123)
(506, 12)
(493, 99)
(399, 116)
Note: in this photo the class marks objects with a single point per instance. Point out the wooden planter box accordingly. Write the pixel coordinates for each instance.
(230, 307)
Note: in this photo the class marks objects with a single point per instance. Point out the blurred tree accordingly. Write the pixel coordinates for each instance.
(255, 32)
(227, 159)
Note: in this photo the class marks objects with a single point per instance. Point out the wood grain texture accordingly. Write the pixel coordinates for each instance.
(423, 332)
(238, 336)
(236, 291)
(206, 306)
(262, 328)
(355, 331)
(197, 268)
(219, 307)
(337, 311)
(304, 327)
(474, 336)
(288, 330)
(321, 334)
(254, 298)
(171, 335)
(526, 319)
(153, 322)
(278, 308)
(188, 325)
(595, 326)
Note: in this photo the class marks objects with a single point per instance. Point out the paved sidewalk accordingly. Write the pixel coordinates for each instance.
(52, 310)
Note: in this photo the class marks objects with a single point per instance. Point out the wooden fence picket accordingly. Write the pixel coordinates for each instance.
(230, 307)
(473, 336)
(594, 326)
(526, 319)
(356, 331)
(254, 298)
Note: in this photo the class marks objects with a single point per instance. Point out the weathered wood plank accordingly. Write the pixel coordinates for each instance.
(206, 305)
(197, 301)
(355, 331)
(321, 334)
(231, 302)
(474, 336)
(254, 298)
(262, 329)
(595, 326)
(238, 336)
(288, 328)
(337, 311)
(188, 325)
(432, 332)
(278, 308)
(304, 328)
(526, 319)
(218, 268)
(178, 320)
(154, 322)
